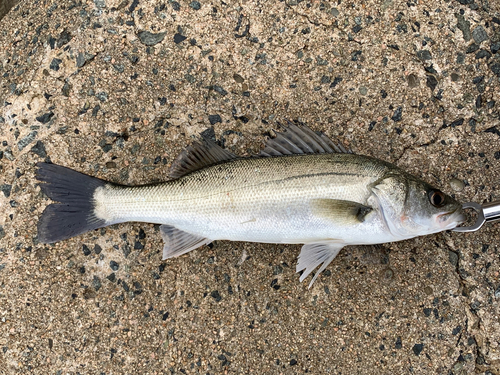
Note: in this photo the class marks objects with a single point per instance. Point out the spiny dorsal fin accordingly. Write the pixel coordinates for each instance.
(299, 139)
(199, 155)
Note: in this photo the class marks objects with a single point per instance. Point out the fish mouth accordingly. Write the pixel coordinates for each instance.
(452, 219)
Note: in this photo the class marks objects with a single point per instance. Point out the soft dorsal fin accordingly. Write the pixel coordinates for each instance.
(199, 155)
(299, 139)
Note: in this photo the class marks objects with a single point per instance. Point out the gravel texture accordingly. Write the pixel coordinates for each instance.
(116, 89)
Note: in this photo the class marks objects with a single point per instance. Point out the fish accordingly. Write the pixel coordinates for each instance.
(301, 189)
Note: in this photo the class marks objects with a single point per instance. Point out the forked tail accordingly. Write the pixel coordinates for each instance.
(74, 214)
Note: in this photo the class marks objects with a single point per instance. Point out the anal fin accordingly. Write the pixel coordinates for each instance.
(313, 254)
(178, 242)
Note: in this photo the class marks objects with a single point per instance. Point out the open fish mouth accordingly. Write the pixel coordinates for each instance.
(450, 220)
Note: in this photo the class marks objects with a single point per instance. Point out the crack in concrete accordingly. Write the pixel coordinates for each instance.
(463, 288)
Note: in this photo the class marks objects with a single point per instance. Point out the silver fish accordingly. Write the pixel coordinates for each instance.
(302, 189)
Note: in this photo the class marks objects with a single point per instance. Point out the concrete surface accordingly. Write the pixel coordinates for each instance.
(117, 88)
(5, 6)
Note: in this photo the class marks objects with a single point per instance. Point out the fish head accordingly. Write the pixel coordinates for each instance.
(411, 207)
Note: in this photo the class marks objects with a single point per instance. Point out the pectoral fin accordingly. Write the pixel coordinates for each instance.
(340, 211)
(178, 242)
(312, 255)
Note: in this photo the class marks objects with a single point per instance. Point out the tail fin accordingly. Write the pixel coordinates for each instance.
(74, 214)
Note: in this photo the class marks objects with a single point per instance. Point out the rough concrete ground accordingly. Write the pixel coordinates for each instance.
(117, 88)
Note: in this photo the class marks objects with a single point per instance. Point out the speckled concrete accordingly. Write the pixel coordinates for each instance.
(117, 88)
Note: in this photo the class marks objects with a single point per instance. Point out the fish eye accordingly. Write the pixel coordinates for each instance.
(437, 198)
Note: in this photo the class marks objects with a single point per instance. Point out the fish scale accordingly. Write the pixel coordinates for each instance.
(260, 195)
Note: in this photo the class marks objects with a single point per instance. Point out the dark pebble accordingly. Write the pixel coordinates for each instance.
(178, 38)
(399, 343)
(456, 330)
(497, 155)
(335, 82)
(208, 134)
(81, 269)
(114, 266)
(215, 295)
(431, 82)
(483, 54)
(150, 39)
(133, 6)
(495, 68)
(356, 29)
(220, 90)
(6, 188)
(54, 64)
(325, 79)
(477, 80)
(463, 26)
(424, 55)
(495, 47)
(97, 249)
(119, 68)
(107, 147)
(398, 114)
(195, 5)
(238, 78)
(96, 283)
(125, 286)
(27, 140)
(472, 48)
(102, 96)
(111, 277)
(39, 149)
(142, 234)
(427, 312)
(138, 245)
(164, 316)
(86, 250)
(371, 126)
(417, 348)
(126, 250)
(457, 122)
(66, 89)
(479, 101)
(479, 34)
(293, 362)
(45, 118)
(214, 119)
(80, 60)
(64, 38)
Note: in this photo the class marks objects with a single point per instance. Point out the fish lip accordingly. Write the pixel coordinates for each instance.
(455, 217)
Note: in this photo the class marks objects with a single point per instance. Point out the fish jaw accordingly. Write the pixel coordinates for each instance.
(450, 220)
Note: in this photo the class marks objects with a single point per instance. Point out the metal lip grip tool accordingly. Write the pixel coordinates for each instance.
(488, 212)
